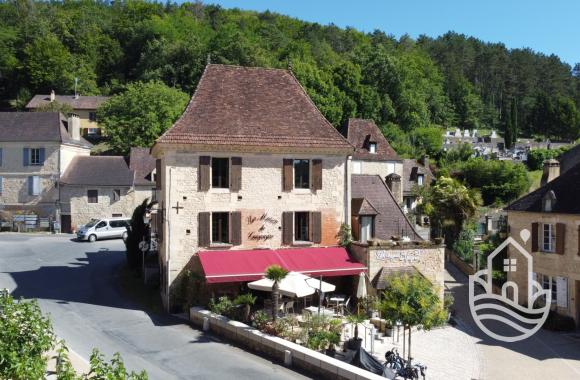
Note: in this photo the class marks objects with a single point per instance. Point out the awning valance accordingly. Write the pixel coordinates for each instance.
(249, 265)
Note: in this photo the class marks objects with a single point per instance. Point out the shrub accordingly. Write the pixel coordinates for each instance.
(224, 306)
(463, 247)
(537, 157)
(260, 319)
(25, 335)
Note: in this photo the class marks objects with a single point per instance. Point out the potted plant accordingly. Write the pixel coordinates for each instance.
(246, 300)
(275, 273)
(356, 342)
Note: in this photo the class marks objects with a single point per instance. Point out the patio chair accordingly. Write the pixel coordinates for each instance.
(307, 301)
(289, 306)
(343, 306)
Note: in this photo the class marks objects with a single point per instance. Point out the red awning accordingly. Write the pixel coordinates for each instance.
(249, 265)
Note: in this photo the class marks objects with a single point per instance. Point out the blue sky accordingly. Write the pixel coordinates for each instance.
(547, 26)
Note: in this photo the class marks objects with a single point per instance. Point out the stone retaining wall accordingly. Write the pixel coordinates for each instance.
(321, 365)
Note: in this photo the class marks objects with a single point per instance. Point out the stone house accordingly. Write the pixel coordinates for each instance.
(105, 186)
(546, 222)
(416, 174)
(251, 174)
(36, 148)
(85, 107)
(373, 155)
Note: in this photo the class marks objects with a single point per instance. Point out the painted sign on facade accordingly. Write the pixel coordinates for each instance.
(406, 256)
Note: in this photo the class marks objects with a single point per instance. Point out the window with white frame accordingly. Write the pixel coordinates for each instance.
(34, 185)
(302, 174)
(35, 156)
(548, 237)
(420, 179)
(373, 147)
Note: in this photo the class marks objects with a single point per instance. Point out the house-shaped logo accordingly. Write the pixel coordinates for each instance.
(501, 317)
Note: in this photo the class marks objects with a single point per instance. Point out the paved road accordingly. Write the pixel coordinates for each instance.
(545, 355)
(75, 283)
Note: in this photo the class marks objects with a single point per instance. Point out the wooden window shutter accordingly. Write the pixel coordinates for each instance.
(560, 238)
(287, 228)
(579, 240)
(25, 156)
(315, 227)
(288, 175)
(203, 225)
(535, 236)
(158, 174)
(203, 173)
(236, 228)
(236, 174)
(317, 174)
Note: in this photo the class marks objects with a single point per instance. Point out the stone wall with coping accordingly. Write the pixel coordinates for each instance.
(261, 194)
(316, 363)
(428, 259)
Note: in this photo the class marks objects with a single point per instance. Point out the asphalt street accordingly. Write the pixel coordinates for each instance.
(75, 283)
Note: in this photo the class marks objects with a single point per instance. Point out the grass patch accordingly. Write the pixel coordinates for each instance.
(535, 177)
(131, 287)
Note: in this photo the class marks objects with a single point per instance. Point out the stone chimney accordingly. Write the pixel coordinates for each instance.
(393, 181)
(52, 96)
(425, 160)
(551, 171)
(74, 127)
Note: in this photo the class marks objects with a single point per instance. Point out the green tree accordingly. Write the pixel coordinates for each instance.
(428, 140)
(276, 274)
(449, 204)
(136, 233)
(48, 64)
(413, 301)
(140, 114)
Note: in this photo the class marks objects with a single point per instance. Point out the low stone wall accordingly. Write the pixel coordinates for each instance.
(460, 264)
(321, 365)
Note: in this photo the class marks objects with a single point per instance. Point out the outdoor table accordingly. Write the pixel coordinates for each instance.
(314, 311)
(337, 299)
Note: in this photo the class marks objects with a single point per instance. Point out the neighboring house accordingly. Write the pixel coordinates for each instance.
(85, 107)
(375, 212)
(551, 214)
(251, 175)
(105, 186)
(416, 174)
(373, 154)
(36, 148)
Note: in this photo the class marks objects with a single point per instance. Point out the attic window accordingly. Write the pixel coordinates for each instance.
(549, 201)
(420, 179)
(373, 147)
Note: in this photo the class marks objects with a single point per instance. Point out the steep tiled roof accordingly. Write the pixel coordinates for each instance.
(391, 220)
(360, 132)
(565, 188)
(98, 171)
(410, 170)
(77, 103)
(252, 106)
(569, 159)
(36, 126)
(361, 206)
(142, 163)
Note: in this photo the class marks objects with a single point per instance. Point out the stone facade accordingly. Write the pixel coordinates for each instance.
(75, 202)
(566, 265)
(260, 195)
(429, 260)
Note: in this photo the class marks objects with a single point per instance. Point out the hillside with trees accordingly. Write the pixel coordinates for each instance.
(407, 86)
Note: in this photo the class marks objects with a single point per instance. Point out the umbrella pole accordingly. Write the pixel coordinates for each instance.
(319, 295)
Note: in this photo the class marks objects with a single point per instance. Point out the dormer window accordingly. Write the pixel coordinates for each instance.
(373, 147)
(420, 179)
(549, 201)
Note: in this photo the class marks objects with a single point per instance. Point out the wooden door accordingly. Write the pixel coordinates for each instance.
(65, 224)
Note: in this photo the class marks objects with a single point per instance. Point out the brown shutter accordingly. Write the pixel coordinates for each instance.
(236, 174)
(236, 228)
(287, 228)
(204, 162)
(204, 238)
(579, 240)
(315, 220)
(287, 175)
(158, 174)
(535, 236)
(317, 174)
(560, 238)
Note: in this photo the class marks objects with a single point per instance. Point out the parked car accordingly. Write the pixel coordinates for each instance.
(106, 228)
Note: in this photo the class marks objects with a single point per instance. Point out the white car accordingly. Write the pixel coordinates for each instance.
(106, 228)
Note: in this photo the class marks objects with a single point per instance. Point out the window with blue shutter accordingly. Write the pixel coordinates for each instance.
(25, 156)
(0, 185)
(30, 185)
(34, 185)
(0, 156)
(41, 155)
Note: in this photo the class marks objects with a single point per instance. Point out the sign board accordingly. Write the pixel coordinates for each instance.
(406, 256)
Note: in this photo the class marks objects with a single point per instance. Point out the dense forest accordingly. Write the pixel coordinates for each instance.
(405, 85)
